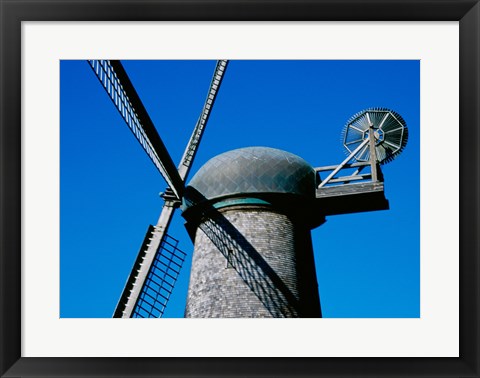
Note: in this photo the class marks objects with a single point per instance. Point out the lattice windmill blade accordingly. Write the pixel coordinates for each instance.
(117, 84)
(390, 134)
(159, 261)
(152, 278)
(193, 143)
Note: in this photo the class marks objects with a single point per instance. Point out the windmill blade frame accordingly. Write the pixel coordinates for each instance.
(137, 282)
(121, 91)
(192, 146)
(151, 280)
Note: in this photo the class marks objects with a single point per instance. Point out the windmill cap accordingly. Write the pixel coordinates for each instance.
(252, 171)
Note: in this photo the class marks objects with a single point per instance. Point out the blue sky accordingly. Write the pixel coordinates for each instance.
(109, 189)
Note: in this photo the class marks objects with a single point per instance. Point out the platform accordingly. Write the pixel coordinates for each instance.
(351, 198)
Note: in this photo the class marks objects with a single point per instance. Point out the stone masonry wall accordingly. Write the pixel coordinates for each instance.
(252, 262)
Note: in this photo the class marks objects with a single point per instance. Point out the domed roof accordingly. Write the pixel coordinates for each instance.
(254, 170)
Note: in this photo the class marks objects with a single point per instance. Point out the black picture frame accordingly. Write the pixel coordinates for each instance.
(13, 12)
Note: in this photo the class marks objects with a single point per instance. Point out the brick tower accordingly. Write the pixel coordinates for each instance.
(249, 213)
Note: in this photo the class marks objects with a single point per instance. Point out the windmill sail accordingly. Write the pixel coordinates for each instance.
(136, 282)
(192, 146)
(148, 287)
(160, 280)
(114, 79)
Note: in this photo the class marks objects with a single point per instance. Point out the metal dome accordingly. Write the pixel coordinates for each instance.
(254, 170)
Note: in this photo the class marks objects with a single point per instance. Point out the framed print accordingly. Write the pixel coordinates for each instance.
(400, 300)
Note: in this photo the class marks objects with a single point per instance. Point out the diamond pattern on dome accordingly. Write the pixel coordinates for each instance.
(255, 170)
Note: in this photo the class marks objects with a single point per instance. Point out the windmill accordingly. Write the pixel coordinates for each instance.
(372, 137)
